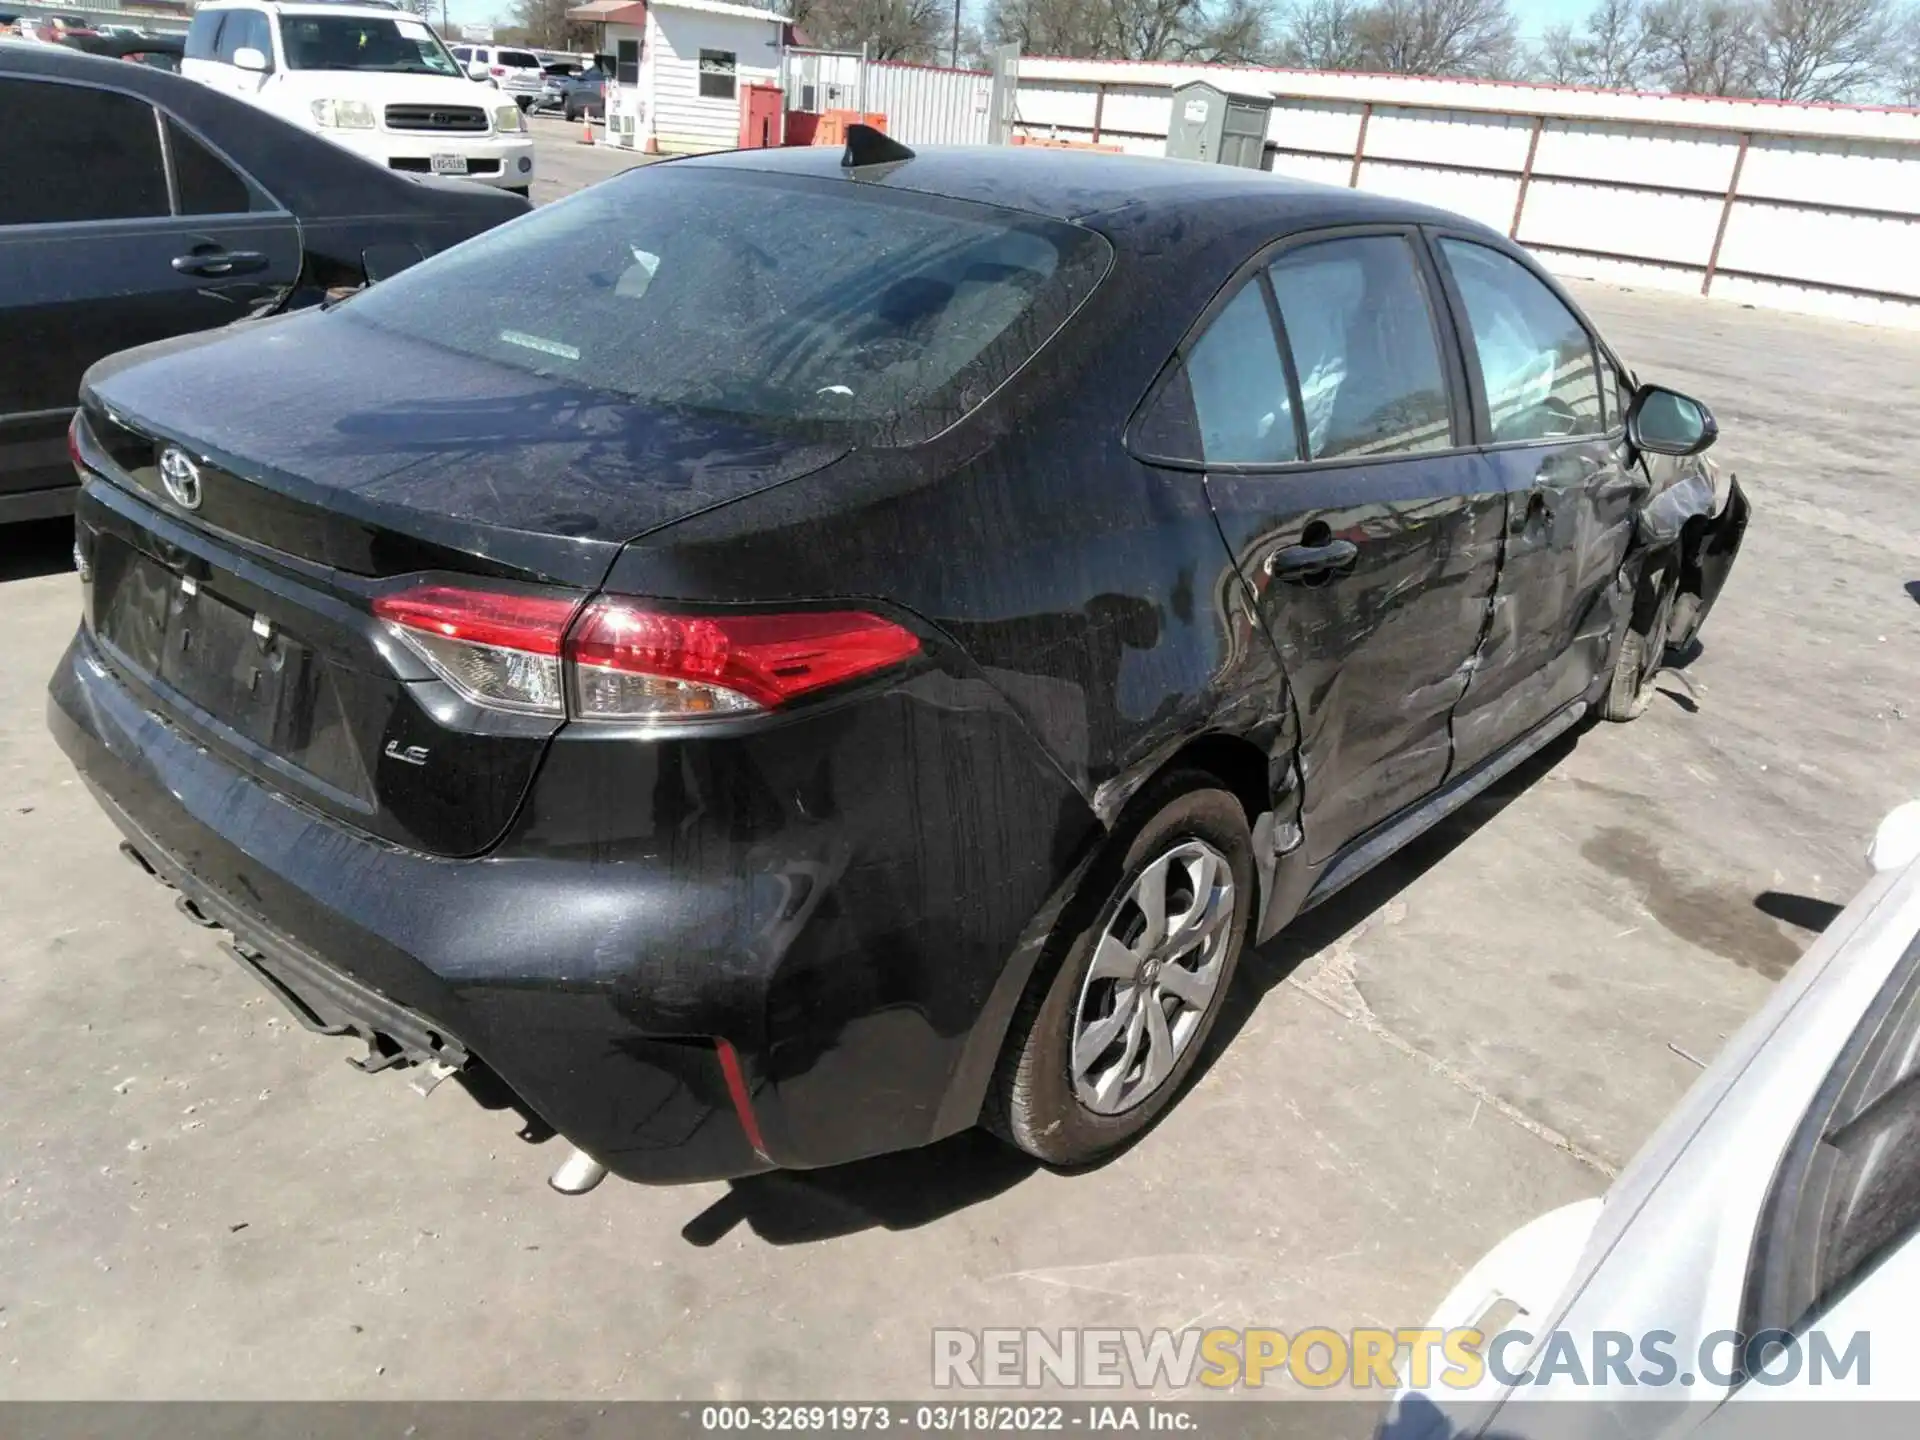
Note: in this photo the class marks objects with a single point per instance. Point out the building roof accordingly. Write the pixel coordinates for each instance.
(609, 12)
(725, 7)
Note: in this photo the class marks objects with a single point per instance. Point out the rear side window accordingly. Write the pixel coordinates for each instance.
(1240, 387)
(95, 155)
(208, 185)
(1361, 333)
(1536, 360)
(797, 301)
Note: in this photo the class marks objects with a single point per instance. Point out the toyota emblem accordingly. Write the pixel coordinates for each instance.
(181, 477)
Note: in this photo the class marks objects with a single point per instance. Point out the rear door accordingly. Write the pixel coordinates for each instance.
(117, 227)
(1557, 452)
(1325, 393)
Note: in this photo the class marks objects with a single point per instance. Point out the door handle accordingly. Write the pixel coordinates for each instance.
(1313, 562)
(220, 262)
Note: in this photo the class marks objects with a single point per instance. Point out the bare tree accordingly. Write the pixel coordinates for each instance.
(1610, 50)
(1703, 47)
(1228, 30)
(890, 29)
(1823, 49)
(1904, 81)
(1323, 35)
(1438, 37)
(541, 23)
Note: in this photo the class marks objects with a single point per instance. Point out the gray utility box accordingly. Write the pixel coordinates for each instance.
(1211, 125)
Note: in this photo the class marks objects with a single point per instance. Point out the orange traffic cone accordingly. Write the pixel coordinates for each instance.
(652, 145)
(586, 128)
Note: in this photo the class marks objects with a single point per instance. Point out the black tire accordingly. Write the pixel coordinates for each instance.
(1033, 1104)
(1635, 674)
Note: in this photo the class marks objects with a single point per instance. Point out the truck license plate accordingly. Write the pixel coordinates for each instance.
(449, 164)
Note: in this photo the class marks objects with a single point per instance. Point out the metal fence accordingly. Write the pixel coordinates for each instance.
(1801, 207)
(930, 105)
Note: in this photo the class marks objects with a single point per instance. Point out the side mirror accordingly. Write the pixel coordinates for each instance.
(1665, 422)
(476, 71)
(248, 58)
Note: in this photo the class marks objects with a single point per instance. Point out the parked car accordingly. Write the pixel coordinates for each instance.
(517, 72)
(585, 95)
(557, 76)
(162, 52)
(149, 206)
(834, 649)
(1782, 1198)
(372, 79)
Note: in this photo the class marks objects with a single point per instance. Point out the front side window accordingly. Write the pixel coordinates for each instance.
(882, 313)
(95, 155)
(716, 74)
(400, 46)
(1361, 333)
(1536, 359)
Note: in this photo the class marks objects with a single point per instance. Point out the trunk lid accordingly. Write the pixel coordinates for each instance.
(246, 618)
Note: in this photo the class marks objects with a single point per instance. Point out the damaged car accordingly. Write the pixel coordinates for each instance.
(837, 649)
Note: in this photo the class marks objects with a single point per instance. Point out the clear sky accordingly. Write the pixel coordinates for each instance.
(1535, 15)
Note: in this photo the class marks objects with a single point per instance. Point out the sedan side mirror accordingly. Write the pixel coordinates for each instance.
(1665, 422)
(248, 58)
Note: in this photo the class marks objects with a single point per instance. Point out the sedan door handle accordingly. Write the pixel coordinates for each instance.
(220, 262)
(1311, 562)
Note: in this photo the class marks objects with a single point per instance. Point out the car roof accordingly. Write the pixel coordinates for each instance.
(1083, 185)
(362, 9)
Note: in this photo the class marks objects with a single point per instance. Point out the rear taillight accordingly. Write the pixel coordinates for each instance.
(499, 650)
(622, 661)
(496, 70)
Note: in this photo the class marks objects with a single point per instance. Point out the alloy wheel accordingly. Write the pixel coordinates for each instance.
(1152, 978)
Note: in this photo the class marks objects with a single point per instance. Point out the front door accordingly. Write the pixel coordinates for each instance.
(1337, 466)
(1558, 454)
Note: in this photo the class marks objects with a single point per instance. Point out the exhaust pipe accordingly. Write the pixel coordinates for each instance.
(577, 1174)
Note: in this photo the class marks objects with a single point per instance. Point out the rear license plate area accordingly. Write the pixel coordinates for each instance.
(229, 662)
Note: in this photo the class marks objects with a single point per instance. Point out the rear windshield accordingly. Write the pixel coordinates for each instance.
(819, 303)
(520, 58)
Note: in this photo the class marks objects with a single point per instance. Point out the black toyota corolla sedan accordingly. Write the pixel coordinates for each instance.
(834, 650)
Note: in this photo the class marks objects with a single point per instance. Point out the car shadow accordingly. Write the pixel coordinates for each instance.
(1803, 912)
(889, 1192)
(912, 1188)
(36, 547)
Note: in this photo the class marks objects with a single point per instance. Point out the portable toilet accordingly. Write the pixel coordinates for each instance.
(1216, 127)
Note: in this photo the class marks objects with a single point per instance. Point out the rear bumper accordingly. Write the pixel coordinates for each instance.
(597, 979)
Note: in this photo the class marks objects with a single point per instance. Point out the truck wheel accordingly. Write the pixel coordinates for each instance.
(1096, 1053)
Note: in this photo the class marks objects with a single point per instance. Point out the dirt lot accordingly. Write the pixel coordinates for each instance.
(203, 1200)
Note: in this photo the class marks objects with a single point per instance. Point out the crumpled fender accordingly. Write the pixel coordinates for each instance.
(1663, 518)
(1706, 560)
